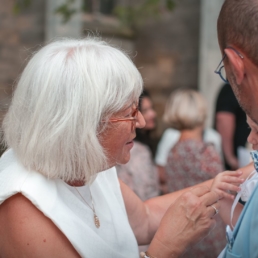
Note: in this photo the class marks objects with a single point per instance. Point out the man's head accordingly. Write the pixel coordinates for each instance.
(238, 28)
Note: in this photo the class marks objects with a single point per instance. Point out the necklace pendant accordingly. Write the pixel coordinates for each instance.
(96, 221)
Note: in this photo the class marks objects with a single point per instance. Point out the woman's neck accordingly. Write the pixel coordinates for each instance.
(194, 134)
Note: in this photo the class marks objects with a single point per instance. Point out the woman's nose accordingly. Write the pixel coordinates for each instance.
(140, 122)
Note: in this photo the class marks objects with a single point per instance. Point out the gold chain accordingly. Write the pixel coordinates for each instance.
(95, 217)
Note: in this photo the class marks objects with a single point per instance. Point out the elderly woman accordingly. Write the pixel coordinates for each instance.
(74, 114)
(140, 173)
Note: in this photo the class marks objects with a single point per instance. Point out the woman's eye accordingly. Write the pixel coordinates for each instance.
(128, 115)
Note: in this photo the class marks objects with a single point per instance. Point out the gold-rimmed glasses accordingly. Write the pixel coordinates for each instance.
(133, 118)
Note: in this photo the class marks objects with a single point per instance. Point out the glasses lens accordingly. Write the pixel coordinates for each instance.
(223, 73)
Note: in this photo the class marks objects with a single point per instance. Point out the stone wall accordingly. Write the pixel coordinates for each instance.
(20, 35)
(168, 52)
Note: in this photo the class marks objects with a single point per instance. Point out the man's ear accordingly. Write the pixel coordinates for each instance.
(236, 64)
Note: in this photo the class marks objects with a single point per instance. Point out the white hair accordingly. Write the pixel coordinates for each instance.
(62, 97)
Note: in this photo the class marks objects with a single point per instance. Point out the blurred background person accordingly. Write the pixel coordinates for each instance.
(191, 160)
(171, 136)
(186, 111)
(140, 173)
(230, 122)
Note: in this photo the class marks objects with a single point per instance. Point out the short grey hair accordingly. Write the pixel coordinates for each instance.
(237, 26)
(65, 92)
(185, 109)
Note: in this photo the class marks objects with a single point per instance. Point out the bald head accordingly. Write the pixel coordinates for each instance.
(238, 26)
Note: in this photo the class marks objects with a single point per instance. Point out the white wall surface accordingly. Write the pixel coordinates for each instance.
(209, 54)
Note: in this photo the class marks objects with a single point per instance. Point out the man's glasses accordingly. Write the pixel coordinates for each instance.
(220, 70)
(133, 118)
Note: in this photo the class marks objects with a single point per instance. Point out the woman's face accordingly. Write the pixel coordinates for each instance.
(117, 139)
(253, 136)
(148, 113)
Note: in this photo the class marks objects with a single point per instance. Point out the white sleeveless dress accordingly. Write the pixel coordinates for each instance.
(62, 204)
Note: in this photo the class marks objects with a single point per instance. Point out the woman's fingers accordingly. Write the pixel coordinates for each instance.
(213, 209)
(200, 190)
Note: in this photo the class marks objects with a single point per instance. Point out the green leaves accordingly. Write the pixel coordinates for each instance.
(21, 5)
(170, 4)
(134, 15)
(130, 15)
(66, 10)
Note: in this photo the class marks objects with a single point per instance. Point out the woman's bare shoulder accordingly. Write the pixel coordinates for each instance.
(26, 231)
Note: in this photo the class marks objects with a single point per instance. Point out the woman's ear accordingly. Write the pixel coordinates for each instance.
(236, 64)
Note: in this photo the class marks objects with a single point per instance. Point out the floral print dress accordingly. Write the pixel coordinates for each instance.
(191, 162)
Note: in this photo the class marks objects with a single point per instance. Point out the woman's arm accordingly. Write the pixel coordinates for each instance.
(27, 232)
(225, 123)
(185, 221)
(145, 218)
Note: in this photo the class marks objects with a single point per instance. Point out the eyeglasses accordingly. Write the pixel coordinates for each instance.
(133, 118)
(220, 70)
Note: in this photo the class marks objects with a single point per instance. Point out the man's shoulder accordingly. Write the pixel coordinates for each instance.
(248, 220)
(246, 229)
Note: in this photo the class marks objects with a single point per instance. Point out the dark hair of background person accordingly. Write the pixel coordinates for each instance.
(142, 135)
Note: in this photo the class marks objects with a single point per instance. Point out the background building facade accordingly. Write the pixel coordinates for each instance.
(179, 49)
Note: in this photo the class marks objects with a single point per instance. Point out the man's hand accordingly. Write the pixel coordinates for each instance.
(187, 220)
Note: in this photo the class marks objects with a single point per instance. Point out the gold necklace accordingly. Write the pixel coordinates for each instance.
(96, 218)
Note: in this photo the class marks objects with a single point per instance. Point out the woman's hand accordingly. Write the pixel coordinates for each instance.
(226, 183)
(187, 220)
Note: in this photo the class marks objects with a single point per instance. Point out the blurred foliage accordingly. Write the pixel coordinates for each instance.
(134, 15)
(131, 15)
(66, 10)
(21, 5)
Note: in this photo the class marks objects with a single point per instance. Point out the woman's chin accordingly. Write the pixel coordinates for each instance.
(124, 160)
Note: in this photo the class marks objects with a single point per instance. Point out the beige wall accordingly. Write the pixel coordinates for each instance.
(168, 52)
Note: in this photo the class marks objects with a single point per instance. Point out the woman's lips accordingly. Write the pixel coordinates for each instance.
(130, 144)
